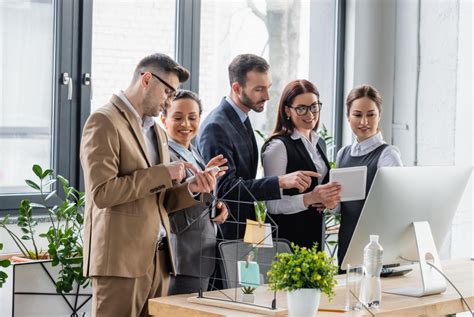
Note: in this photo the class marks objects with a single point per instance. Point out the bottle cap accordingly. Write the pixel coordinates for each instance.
(374, 237)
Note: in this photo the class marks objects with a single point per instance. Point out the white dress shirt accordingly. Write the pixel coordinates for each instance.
(147, 124)
(390, 155)
(275, 160)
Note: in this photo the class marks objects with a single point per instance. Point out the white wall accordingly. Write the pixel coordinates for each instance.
(321, 56)
(419, 55)
(370, 51)
(463, 225)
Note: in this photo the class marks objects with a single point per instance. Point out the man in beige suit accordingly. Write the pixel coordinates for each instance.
(129, 192)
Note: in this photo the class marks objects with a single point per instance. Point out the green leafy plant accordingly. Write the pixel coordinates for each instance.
(324, 134)
(4, 264)
(64, 234)
(260, 211)
(27, 225)
(304, 268)
(248, 289)
(261, 135)
(331, 220)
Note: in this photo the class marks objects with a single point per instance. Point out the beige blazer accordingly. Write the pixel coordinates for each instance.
(126, 198)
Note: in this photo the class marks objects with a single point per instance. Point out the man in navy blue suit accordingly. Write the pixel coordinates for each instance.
(227, 130)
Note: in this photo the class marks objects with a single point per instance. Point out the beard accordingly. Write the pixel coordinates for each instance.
(150, 108)
(247, 102)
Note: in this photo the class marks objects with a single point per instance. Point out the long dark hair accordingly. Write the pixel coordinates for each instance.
(294, 88)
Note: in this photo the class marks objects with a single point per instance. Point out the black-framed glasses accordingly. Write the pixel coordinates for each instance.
(302, 110)
(170, 91)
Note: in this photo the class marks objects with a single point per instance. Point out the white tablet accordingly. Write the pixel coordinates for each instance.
(352, 180)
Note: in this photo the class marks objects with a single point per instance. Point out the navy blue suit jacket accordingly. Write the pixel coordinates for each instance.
(222, 132)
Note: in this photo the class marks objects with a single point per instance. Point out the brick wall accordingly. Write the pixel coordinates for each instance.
(124, 32)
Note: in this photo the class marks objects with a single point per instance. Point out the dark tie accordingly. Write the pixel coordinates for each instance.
(249, 129)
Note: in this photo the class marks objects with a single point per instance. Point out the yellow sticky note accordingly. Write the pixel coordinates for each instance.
(254, 232)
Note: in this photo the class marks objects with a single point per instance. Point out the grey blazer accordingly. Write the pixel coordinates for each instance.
(193, 234)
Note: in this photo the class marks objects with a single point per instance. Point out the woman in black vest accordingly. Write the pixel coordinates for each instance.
(293, 146)
(364, 109)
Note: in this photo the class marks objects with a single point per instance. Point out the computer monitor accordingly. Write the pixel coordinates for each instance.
(401, 196)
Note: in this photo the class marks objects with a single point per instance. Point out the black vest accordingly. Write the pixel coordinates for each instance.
(307, 226)
(350, 210)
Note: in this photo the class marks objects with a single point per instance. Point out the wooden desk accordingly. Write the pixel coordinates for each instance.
(461, 272)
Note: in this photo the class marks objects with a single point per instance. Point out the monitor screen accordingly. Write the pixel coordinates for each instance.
(400, 196)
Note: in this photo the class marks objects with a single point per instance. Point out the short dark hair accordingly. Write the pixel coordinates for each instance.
(185, 94)
(244, 63)
(161, 62)
(364, 91)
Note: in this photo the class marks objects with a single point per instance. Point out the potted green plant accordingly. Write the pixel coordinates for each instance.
(247, 294)
(304, 274)
(62, 261)
(331, 221)
(3, 263)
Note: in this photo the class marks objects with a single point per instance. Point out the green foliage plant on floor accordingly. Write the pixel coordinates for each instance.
(64, 235)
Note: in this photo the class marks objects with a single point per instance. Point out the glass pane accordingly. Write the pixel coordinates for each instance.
(26, 90)
(277, 30)
(124, 31)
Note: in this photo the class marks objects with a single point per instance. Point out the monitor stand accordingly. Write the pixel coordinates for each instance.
(432, 281)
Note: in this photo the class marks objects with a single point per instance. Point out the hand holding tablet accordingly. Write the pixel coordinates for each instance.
(353, 181)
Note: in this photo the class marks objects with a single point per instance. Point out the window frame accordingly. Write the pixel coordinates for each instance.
(188, 23)
(73, 54)
(72, 50)
(187, 43)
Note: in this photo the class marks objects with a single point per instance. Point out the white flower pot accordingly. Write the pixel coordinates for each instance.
(248, 298)
(303, 302)
(30, 292)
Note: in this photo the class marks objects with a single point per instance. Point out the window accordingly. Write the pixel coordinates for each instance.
(26, 90)
(275, 30)
(124, 32)
(42, 92)
(99, 45)
(296, 37)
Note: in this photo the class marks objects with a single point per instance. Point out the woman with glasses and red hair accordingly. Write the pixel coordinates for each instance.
(295, 145)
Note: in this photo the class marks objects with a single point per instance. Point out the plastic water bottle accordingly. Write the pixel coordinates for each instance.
(371, 292)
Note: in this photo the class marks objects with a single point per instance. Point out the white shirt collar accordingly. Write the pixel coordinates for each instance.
(242, 115)
(297, 135)
(145, 124)
(367, 146)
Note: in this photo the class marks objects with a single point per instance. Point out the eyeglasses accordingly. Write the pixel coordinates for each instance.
(170, 90)
(302, 110)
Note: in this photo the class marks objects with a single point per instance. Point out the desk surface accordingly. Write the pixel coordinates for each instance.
(461, 273)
